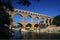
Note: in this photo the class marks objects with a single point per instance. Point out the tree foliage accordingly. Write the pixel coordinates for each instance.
(4, 16)
(5, 32)
(56, 20)
(25, 2)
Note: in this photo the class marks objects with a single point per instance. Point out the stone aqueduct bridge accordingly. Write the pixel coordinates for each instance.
(24, 13)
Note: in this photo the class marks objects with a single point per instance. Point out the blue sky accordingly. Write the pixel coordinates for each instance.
(47, 7)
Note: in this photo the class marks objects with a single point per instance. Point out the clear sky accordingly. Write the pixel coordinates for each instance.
(47, 7)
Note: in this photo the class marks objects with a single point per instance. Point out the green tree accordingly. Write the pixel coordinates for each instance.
(4, 16)
(56, 20)
(5, 32)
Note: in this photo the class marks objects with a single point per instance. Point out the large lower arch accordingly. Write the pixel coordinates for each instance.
(46, 22)
(17, 25)
(20, 25)
(28, 26)
(36, 26)
(17, 18)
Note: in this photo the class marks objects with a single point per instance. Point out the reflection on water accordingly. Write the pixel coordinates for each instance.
(33, 35)
(17, 34)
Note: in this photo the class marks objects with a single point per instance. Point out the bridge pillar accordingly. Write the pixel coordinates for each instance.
(32, 28)
(44, 20)
(23, 26)
(48, 21)
(24, 18)
(32, 19)
(24, 22)
(38, 23)
(51, 21)
(38, 20)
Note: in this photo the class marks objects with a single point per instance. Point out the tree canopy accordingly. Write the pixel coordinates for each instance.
(56, 20)
(4, 16)
(25, 2)
(5, 32)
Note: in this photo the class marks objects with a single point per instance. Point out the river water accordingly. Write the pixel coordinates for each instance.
(34, 35)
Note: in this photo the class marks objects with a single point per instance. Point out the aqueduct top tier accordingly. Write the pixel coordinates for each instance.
(24, 13)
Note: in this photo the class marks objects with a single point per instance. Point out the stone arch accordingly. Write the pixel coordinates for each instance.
(20, 25)
(16, 10)
(28, 26)
(28, 18)
(36, 20)
(17, 18)
(15, 25)
(36, 26)
(41, 20)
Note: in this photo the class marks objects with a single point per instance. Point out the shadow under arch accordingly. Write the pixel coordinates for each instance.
(28, 26)
(36, 26)
(50, 21)
(46, 20)
(20, 25)
(42, 26)
(17, 27)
